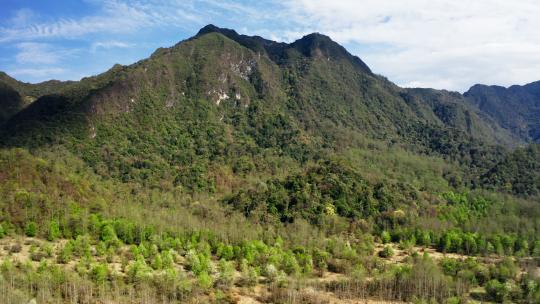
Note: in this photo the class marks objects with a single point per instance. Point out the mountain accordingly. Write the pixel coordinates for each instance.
(219, 92)
(16, 95)
(314, 81)
(228, 168)
(516, 108)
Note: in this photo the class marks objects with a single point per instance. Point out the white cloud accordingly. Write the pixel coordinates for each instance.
(110, 44)
(48, 73)
(130, 16)
(433, 43)
(115, 17)
(36, 53)
(22, 17)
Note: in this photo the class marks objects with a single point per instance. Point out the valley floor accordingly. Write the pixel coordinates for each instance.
(33, 253)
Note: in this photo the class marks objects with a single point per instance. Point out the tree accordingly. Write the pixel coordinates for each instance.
(31, 229)
(54, 231)
(496, 291)
(157, 263)
(204, 280)
(385, 237)
(100, 273)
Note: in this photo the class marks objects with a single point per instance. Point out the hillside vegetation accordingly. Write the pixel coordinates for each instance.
(230, 168)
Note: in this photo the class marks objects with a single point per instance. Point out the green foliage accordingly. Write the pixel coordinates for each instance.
(387, 252)
(204, 280)
(385, 237)
(298, 175)
(100, 273)
(198, 262)
(138, 271)
(2, 231)
(54, 231)
(497, 291)
(31, 229)
(226, 274)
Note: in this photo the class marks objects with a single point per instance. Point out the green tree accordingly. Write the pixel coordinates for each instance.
(385, 237)
(54, 231)
(31, 229)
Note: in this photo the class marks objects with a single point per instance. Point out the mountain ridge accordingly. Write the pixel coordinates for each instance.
(516, 108)
(315, 97)
(366, 94)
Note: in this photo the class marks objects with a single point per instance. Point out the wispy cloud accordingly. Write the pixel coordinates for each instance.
(114, 17)
(48, 73)
(22, 17)
(110, 44)
(41, 53)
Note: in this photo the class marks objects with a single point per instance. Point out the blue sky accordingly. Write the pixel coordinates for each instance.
(427, 43)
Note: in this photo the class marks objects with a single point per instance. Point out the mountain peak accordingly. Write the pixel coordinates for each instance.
(318, 44)
(210, 28)
(310, 45)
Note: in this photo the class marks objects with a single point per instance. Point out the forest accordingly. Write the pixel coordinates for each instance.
(234, 169)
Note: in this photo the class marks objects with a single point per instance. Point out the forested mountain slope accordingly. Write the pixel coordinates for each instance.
(299, 97)
(516, 108)
(228, 163)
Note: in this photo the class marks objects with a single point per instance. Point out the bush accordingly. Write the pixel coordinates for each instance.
(138, 271)
(204, 280)
(385, 237)
(197, 263)
(271, 272)
(290, 264)
(157, 263)
(167, 257)
(66, 253)
(54, 231)
(31, 229)
(250, 276)
(100, 273)
(496, 291)
(226, 274)
(387, 252)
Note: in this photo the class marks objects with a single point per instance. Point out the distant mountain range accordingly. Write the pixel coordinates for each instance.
(516, 108)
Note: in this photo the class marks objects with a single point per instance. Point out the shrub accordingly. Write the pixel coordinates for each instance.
(290, 264)
(226, 274)
(197, 262)
(339, 266)
(54, 231)
(225, 252)
(385, 237)
(108, 235)
(66, 253)
(138, 270)
(496, 291)
(387, 252)
(100, 273)
(157, 263)
(271, 272)
(167, 257)
(204, 280)
(31, 229)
